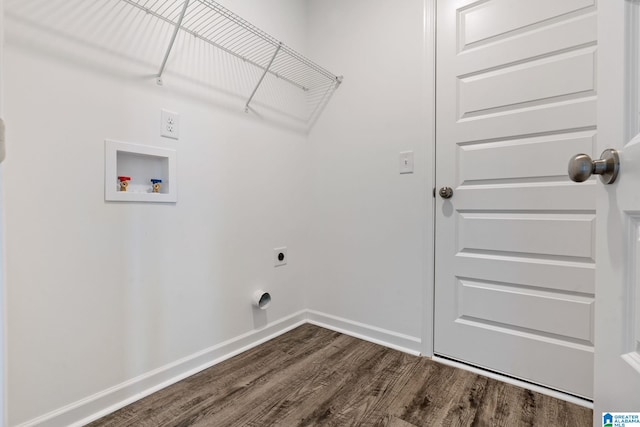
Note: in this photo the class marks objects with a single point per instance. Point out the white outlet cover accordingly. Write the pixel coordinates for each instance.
(406, 162)
(276, 255)
(169, 124)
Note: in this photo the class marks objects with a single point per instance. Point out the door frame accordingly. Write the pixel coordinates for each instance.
(3, 311)
(429, 94)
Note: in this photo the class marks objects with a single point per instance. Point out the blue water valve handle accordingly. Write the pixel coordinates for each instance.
(156, 181)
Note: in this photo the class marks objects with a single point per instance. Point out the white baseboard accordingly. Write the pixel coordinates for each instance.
(100, 404)
(404, 343)
(107, 401)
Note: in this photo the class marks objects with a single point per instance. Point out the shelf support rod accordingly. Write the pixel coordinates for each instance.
(266, 70)
(173, 40)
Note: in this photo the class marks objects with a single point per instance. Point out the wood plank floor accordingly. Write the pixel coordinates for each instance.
(315, 377)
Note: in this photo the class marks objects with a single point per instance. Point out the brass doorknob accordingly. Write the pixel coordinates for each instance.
(581, 167)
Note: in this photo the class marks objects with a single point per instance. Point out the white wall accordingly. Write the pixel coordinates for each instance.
(371, 233)
(103, 296)
(100, 293)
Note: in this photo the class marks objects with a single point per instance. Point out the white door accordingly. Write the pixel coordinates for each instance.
(617, 357)
(515, 251)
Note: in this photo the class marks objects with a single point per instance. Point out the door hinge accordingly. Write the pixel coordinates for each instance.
(434, 192)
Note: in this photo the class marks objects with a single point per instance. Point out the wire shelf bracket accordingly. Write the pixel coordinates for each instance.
(266, 70)
(172, 42)
(214, 24)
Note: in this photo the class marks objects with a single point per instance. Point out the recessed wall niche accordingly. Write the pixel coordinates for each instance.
(142, 164)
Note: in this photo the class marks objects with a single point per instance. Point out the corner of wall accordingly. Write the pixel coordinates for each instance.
(107, 401)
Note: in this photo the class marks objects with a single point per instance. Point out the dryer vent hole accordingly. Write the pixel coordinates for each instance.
(265, 299)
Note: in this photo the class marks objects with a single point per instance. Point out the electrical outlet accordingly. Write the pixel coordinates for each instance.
(170, 124)
(279, 256)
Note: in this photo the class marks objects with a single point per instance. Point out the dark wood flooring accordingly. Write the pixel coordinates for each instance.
(315, 377)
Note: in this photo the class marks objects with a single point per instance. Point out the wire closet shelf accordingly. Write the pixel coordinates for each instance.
(214, 24)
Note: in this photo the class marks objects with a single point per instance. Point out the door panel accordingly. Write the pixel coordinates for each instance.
(527, 195)
(519, 307)
(562, 276)
(515, 247)
(525, 85)
(562, 35)
(553, 118)
(633, 291)
(485, 20)
(540, 157)
(527, 234)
